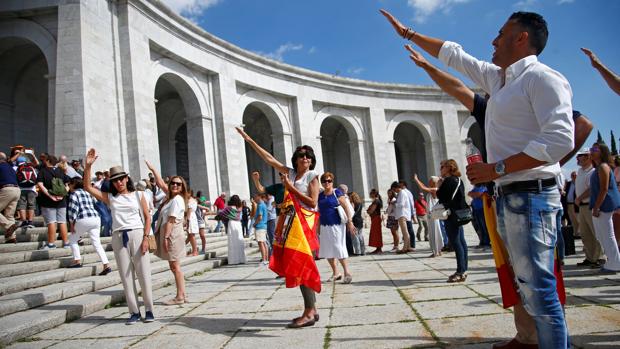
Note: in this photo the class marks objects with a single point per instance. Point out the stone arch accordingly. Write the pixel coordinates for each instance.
(343, 147)
(431, 142)
(269, 106)
(27, 76)
(181, 105)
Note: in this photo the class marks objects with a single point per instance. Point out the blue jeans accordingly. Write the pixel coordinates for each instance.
(457, 239)
(529, 223)
(411, 233)
(482, 227)
(217, 226)
(444, 236)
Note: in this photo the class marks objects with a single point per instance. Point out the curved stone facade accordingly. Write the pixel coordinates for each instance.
(137, 81)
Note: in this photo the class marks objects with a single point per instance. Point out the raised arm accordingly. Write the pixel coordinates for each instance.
(447, 82)
(612, 79)
(90, 158)
(422, 186)
(158, 180)
(427, 43)
(256, 180)
(265, 155)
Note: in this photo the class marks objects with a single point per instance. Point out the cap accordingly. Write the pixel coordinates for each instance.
(117, 172)
(584, 151)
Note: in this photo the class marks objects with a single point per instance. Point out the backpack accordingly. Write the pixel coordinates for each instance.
(58, 187)
(26, 175)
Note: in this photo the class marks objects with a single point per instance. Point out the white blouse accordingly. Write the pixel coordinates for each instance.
(173, 208)
(126, 213)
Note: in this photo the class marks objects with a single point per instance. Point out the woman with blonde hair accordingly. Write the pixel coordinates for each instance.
(169, 231)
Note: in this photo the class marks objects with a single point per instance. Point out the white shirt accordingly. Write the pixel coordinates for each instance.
(302, 183)
(126, 213)
(411, 201)
(402, 208)
(173, 208)
(530, 113)
(582, 182)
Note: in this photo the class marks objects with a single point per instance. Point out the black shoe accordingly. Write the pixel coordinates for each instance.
(585, 263)
(74, 266)
(134, 318)
(105, 271)
(148, 316)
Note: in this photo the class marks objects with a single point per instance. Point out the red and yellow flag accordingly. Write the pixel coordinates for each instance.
(293, 243)
(507, 285)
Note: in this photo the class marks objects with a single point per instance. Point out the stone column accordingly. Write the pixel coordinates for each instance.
(381, 149)
(359, 164)
(198, 132)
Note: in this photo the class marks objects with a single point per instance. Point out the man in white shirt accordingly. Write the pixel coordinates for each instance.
(528, 130)
(403, 187)
(591, 246)
(402, 212)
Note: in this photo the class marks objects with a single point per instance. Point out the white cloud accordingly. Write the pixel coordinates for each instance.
(560, 2)
(278, 54)
(191, 9)
(312, 50)
(526, 4)
(425, 8)
(355, 70)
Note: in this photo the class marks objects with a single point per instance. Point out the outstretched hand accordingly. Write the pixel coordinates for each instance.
(256, 175)
(91, 156)
(593, 58)
(149, 165)
(243, 134)
(416, 57)
(399, 27)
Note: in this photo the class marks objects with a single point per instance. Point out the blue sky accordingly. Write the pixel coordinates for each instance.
(351, 38)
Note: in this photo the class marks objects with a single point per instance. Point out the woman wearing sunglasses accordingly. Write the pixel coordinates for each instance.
(604, 200)
(169, 229)
(130, 232)
(302, 182)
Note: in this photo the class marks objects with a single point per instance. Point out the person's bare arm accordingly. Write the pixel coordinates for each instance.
(483, 172)
(147, 224)
(158, 180)
(89, 160)
(310, 200)
(256, 180)
(422, 186)
(447, 82)
(612, 79)
(427, 43)
(585, 194)
(583, 127)
(262, 153)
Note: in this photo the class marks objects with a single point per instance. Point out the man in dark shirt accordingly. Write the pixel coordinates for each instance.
(53, 205)
(476, 104)
(9, 195)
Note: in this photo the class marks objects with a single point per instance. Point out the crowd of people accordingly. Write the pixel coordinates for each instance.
(515, 199)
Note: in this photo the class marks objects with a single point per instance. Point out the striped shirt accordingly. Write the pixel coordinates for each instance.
(81, 205)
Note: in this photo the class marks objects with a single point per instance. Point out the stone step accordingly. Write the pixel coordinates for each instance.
(7, 270)
(31, 246)
(30, 322)
(39, 296)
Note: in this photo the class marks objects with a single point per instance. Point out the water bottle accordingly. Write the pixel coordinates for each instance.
(472, 153)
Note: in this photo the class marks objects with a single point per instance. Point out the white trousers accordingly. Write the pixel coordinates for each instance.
(604, 230)
(92, 226)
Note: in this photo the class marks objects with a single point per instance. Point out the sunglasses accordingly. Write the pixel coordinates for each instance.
(594, 150)
(304, 155)
(327, 181)
(118, 179)
(176, 183)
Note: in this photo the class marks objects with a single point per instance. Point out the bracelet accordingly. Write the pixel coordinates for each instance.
(413, 32)
(406, 32)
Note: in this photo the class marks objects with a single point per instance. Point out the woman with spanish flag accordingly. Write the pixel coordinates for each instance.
(295, 236)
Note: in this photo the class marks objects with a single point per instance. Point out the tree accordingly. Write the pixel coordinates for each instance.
(614, 150)
(599, 139)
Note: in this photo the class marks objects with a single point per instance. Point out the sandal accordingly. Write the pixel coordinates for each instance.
(347, 279)
(316, 318)
(295, 324)
(174, 301)
(334, 278)
(457, 278)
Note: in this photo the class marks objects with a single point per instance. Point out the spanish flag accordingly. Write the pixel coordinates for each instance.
(507, 284)
(293, 243)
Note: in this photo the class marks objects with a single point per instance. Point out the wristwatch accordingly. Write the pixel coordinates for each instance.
(500, 168)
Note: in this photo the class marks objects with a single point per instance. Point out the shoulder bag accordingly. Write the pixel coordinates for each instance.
(341, 213)
(439, 211)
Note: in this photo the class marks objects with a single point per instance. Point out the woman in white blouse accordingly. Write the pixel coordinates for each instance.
(169, 231)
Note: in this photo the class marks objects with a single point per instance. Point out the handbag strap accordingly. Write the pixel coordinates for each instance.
(457, 189)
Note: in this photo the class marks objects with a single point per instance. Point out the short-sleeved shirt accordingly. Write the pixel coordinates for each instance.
(328, 208)
(261, 210)
(271, 209)
(81, 206)
(302, 183)
(476, 203)
(7, 174)
(45, 176)
(192, 206)
(173, 208)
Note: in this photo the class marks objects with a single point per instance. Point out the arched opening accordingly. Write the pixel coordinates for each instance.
(410, 153)
(172, 103)
(258, 127)
(336, 146)
(23, 95)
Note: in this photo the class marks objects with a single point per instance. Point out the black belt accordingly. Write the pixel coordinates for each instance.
(8, 186)
(534, 186)
(584, 204)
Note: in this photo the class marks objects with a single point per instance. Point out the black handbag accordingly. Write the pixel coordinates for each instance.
(462, 215)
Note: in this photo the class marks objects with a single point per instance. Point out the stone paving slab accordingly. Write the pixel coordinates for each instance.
(391, 335)
(395, 301)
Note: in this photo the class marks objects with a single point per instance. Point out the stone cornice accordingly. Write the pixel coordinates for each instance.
(199, 38)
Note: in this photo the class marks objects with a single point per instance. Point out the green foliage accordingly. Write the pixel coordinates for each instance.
(599, 138)
(614, 149)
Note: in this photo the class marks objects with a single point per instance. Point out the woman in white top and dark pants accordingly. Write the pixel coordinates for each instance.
(130, 231)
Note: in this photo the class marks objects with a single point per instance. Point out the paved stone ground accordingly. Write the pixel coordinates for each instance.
(395, 301)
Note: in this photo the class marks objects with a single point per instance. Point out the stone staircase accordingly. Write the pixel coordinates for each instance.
(38, 292)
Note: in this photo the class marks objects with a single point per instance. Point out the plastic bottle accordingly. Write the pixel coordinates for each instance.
(472, 153)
